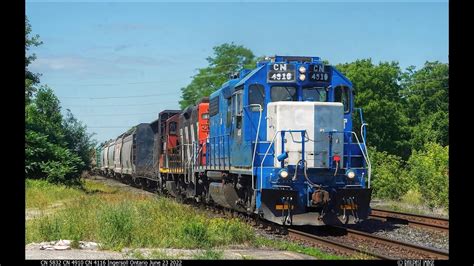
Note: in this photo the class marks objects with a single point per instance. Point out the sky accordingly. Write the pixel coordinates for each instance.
(115, 65)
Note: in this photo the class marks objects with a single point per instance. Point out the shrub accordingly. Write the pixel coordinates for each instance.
(389, 179)
(430, 168)
(413, 197)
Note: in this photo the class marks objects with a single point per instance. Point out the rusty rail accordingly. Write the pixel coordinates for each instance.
(425, 221)
(425, 252)
(334, 244)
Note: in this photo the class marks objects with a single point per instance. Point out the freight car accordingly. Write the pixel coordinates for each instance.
(132, 154)
(276, 142)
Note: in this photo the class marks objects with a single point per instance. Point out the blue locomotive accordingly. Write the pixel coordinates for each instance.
(282, 145)
(276, 141)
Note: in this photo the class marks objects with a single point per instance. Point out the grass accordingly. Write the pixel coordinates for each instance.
(410, 203)
(123, 219)
(42, 194)
(118, 219)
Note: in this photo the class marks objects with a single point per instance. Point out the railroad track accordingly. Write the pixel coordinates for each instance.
(336, 245)
(377, 247)
(416, 220)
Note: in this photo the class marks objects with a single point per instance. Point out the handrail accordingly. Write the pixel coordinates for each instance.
(369, 164)
(263, 160)
(369, 168)
(364, 154)
(260, 109)
(268, 149)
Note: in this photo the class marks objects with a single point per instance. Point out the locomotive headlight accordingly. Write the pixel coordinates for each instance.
(302, 69)
(283, 173)
(350, 174)
(302, 77)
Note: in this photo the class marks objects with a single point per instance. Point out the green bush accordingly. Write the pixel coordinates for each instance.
(430, 169)
(56, 149)
(413, 197)
(389, 178)
(424, 178)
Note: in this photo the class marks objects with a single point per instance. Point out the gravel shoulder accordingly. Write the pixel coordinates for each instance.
(33, 252)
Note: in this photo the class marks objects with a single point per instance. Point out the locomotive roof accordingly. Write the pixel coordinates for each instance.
(249, 75)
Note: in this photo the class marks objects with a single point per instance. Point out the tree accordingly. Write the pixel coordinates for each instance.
(377, 89)
(227, 59)
(31, 79)
(46, 152)
(78, 140)
(43, 115)
(426, 97)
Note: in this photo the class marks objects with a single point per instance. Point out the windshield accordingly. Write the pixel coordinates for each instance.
(314, 94)
(279, 93)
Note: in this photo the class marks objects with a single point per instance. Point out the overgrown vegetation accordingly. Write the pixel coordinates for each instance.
(119, 219)
(422, 179)
(56, 149)
(41, 194)
(122, 219)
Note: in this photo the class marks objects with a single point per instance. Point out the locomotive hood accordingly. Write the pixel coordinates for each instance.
(318, 119)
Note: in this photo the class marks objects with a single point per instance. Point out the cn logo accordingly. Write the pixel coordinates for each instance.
(280, 67)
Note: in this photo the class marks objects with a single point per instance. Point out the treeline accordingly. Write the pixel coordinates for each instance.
(57, 148)
(407, 113)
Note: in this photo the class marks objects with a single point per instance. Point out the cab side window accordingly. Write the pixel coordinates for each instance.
(172, 128)
(256, 96)
(341, 94)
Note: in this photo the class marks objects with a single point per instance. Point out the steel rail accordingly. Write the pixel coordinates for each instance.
(422, 250)
(425, 221)
(334, 244)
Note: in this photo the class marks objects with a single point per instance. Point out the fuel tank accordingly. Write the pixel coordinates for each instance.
(225, 195)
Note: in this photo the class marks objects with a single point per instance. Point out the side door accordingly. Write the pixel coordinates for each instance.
(239, 149)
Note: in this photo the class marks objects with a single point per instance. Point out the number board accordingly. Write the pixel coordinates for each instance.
(320, 73)
(281, 72)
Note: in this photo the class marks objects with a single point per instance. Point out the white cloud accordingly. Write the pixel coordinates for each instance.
(109, 66)
(59, 63)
